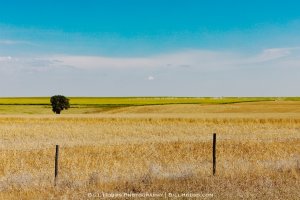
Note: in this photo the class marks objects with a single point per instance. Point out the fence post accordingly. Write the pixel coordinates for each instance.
(56, 164)
(214, 153)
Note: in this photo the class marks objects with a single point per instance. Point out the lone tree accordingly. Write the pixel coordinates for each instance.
(59, 103)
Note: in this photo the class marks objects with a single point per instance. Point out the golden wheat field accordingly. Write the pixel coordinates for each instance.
(161, 149)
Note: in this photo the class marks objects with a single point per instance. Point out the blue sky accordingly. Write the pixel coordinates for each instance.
(149, 48)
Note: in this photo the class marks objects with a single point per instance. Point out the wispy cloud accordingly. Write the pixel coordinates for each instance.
(96, 62)
(16, 42)
(11, 65)
(200, 59)
(274, 54)
(150, 78)
(5, 58)
(189, 59)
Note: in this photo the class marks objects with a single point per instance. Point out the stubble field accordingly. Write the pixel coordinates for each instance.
(155, 149)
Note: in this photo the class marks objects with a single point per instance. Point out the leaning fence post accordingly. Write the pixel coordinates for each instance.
(214, 153)
(56, 164)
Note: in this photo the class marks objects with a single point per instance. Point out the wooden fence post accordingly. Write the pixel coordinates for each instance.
(56, 164)
(214, 153)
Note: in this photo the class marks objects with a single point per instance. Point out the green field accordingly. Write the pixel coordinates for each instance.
(139, 100)
(83, 105)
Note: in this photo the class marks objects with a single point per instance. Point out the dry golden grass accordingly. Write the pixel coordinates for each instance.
(155, 149)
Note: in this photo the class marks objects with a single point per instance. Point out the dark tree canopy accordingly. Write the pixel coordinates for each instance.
(59, 103)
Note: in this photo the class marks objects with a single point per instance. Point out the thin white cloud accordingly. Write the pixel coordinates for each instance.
(5, 58)
(274, 54)
(150, 78)
(189, 59)
(201, 59)
(15, 42)
(14, 65)
(95, 62)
